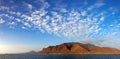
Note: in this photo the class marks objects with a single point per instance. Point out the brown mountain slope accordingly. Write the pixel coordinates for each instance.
(78, 48)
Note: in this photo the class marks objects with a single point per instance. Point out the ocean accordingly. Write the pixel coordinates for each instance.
(60, 56)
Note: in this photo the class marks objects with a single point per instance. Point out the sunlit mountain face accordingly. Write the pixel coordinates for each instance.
(31, 25)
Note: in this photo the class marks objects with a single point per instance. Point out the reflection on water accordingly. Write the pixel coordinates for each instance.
(63, 56)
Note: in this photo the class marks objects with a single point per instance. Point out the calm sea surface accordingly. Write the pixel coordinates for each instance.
(63, 56)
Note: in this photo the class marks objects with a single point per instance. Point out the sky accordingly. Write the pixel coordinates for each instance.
(27, 25)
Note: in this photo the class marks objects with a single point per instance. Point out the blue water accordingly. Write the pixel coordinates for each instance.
(62, 56)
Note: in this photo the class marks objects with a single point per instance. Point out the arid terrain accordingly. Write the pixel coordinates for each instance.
(78, 48)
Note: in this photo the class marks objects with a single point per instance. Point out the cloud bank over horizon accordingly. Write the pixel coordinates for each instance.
(78, 20)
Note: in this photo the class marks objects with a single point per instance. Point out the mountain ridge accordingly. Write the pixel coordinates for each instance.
(78, 48)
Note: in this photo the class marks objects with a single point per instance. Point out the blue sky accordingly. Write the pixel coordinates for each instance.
(27, 25)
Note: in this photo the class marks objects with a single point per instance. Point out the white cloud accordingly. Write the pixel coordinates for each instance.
(1, 21)
(82, 24)
(27, 24)
(63, 10)
(102, 19)
(4, 8)
(96, 5)
(72, 23)
(29, 6)
(99, 4)
(108, 42)
(11, 23)
(23, 27)
(83, 13)
(86, 41)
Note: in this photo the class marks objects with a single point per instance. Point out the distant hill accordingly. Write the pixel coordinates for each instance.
(30, 52)
(78, 48)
